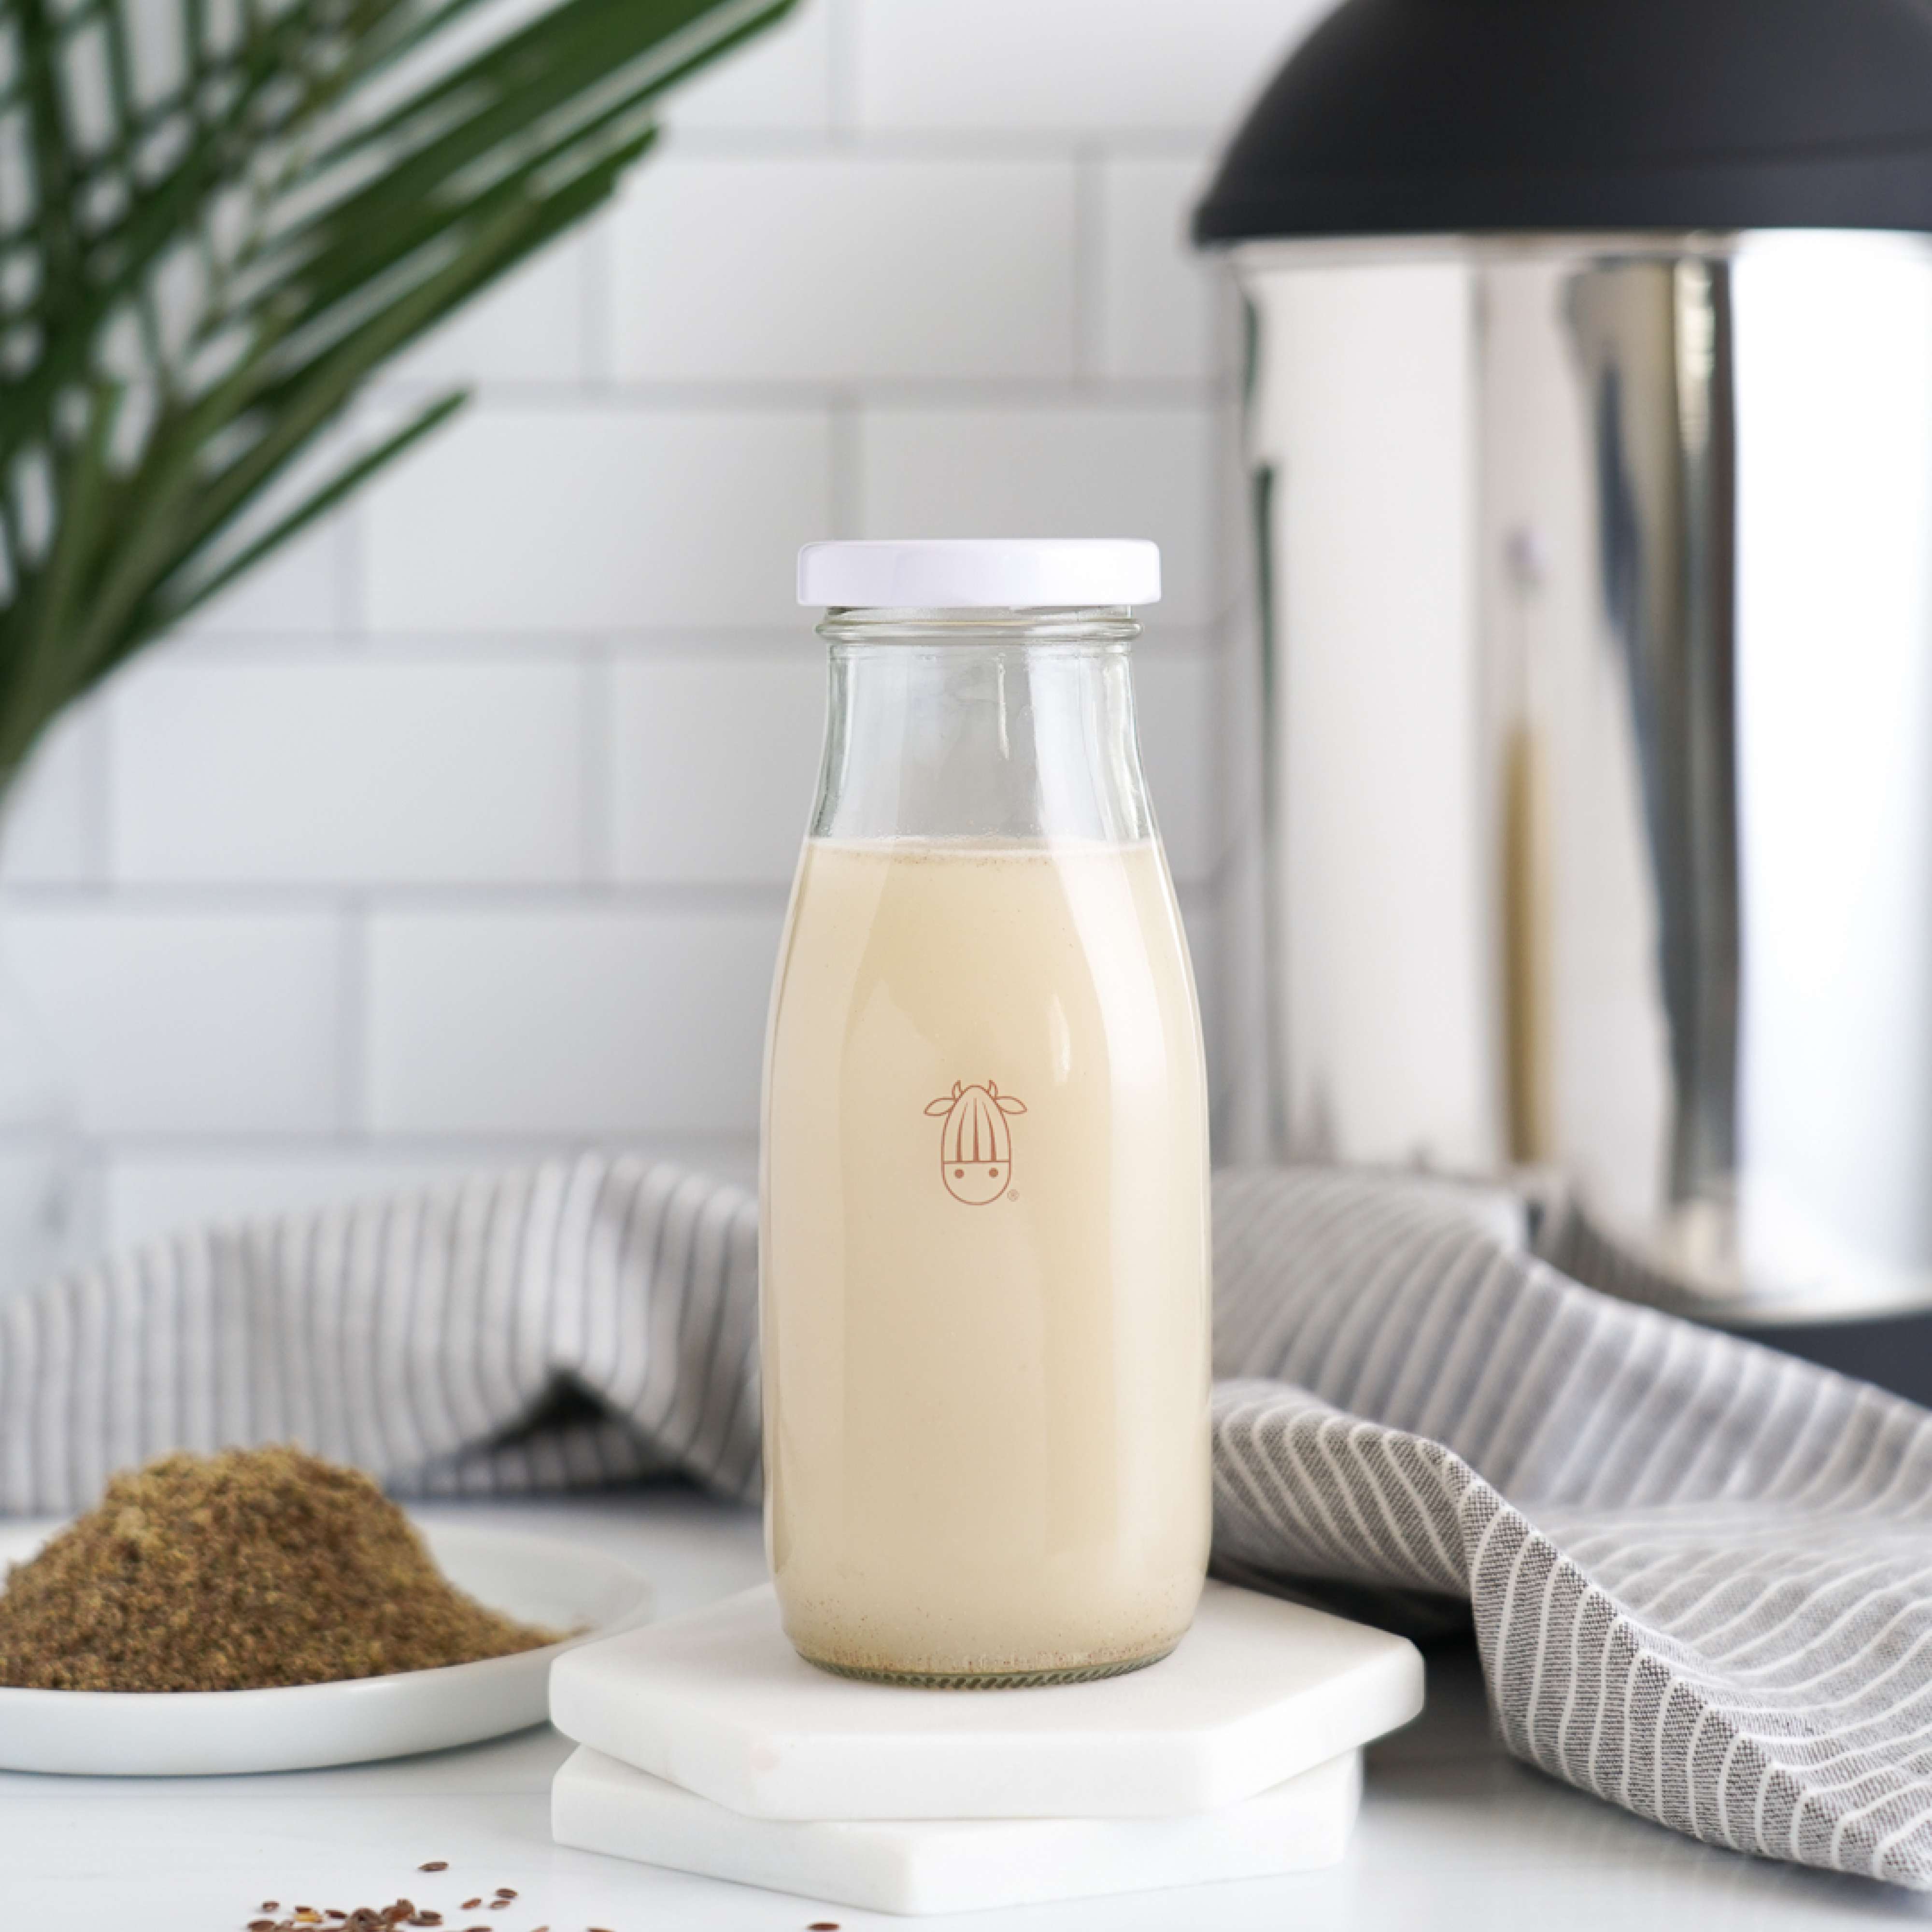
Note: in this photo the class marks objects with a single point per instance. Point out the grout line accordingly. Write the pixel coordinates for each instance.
(842, 71)
(778, 394)
(597, 321)
(1088, 264)
(460, 650)
(596, 751)
(268, 899)
(351, 1016)
(403, 1144)
(90, 1207)
(347, 542)
(845, 479)
(98, 764)
(379, 1166)
(886, 144)
(352, 570)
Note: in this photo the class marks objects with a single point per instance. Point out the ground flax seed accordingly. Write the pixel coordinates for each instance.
(234, 1572)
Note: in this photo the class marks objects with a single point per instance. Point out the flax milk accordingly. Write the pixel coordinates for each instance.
(985, 1319)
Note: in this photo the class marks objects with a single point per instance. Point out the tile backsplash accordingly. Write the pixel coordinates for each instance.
(461, 832)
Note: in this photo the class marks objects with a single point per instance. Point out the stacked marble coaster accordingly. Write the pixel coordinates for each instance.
(707, 1745)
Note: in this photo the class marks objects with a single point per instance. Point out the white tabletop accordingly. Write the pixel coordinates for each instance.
(1453, 1834)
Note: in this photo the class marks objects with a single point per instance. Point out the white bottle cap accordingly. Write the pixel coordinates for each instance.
(981, 573)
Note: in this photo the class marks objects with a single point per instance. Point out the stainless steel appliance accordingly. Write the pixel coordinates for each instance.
(1590, 429)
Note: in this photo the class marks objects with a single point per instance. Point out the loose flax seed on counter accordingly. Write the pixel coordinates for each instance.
(239, 1571)
(403, 1913)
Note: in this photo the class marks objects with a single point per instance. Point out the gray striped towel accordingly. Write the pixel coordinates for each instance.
(1701, 1572)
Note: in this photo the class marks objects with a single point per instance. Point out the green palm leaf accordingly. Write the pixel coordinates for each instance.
(217, 219)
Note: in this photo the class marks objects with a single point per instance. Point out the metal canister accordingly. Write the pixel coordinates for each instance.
(1590, 436)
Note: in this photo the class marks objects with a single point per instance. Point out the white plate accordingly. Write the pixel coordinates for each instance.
(187, 1733)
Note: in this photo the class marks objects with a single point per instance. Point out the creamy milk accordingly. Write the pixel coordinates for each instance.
(985, 1321)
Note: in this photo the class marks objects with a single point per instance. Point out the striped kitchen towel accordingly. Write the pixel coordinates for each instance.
(577, 1323)
(1700, 1572)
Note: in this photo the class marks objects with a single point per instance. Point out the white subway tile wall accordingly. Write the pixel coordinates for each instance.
(605, 1020)
(845, 266)
(1045, 67)
(563, 519)
(461, 832)
(200, 1020)
(356, 771)
(713, 763)
(1053, 469)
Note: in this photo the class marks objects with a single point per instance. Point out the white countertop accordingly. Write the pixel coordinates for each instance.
(1453, 1834)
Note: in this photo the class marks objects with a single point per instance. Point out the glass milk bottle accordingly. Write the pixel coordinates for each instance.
(985, 1222)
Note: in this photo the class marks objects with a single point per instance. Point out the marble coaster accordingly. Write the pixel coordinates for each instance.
(718, 1702)
(925, 1865)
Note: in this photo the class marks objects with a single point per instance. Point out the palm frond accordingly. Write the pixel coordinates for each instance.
(217, 219)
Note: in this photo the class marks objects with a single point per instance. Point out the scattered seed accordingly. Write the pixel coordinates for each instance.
(504, 1892)
(471, 1904)
(823, 1925)
(261, 1925)
(435, 1864)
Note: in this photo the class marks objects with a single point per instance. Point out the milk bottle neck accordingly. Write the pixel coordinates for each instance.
(996, 725)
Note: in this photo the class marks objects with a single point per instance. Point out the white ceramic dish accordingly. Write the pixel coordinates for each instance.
(717, 1702)
(920, 1865)
(196, 1733)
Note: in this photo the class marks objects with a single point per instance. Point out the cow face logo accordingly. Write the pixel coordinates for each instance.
(975, 1145)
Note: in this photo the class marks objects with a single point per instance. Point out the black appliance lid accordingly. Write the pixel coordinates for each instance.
(1405, 117)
